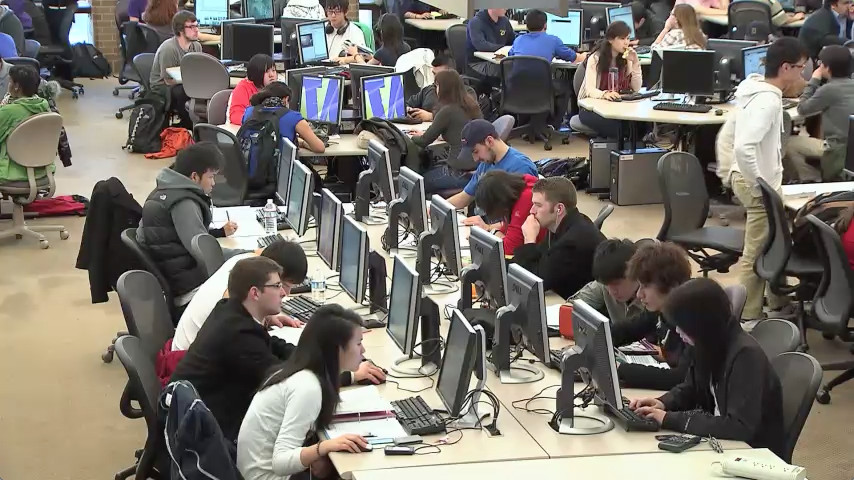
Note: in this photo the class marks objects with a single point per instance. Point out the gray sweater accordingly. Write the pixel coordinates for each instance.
(835, 101)
(448, 122)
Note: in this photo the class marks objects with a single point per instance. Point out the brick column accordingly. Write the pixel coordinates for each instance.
(353, 12)
(105, 32)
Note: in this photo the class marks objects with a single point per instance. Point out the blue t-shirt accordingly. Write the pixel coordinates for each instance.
(543, 45)
(287, 124)
(513, 161)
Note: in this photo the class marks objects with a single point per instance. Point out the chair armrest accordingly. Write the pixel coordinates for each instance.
(125, 406)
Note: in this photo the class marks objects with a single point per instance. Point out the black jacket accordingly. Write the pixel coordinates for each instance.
(749, 397)
(649, 30)
(402, 152)
(484, 35)
(821, 29)
(648, 325)
(564, 259)
(111, 210)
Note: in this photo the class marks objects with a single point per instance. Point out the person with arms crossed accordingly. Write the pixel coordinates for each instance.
(506, 197)
(185, 26)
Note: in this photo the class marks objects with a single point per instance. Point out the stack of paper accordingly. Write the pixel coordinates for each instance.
(362, 403)
(288, 334)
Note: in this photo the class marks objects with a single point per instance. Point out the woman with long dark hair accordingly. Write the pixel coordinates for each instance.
(390, 35)
(731, 391)
(612, 68)
(456, 108)
(260, 72)
(275, 97)
(506, 199)
(298, 400)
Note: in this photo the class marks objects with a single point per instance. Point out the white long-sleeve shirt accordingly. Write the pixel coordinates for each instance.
(758, 132)
(275, 427)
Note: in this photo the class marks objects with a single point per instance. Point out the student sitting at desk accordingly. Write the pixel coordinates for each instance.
(647, 24)
(390, 35)
(456, 108)
(342, 35)
(506, 197)
(829, 25)
(296, 402)
(185, 26)
(707, 7)
(274, 98)
(830, 92)
(611, 292)
(23, 88)
(681, 31)
(410, 9)
(307, 9)
(731, 391)
(611, 53)
(260, 72)
(489, 31)
(423, 103)
(564, 259)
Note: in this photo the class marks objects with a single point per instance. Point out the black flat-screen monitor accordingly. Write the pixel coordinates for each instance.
(689, 72)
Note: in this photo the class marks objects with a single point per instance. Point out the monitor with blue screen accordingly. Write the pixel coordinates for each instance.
(568, 29)
(311, 42)
(211, 12)
(753, 60)
(622, 14)
(321, 98)
(383, 96)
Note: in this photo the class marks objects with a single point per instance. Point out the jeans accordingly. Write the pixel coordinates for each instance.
(604, 127)
(442, 177)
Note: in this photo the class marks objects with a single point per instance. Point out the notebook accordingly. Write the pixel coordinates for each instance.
(362, 403)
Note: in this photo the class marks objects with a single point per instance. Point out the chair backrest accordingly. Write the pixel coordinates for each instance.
(207, 251)
(145, 310)
(129, 239)
(33, 144)
(683, 189)
(233, 179)
(800, 377)
(737, 298)
(31, 48)
(139, 38)
(772, 259)
(504, 125)
(218, 107)
(832, 303)
(776, 336)
(526, 84)
(456, 36)
(604, 213)
(741, 13)
(368, 33)
(143, 64)
(578, 78)
(23, 61)
(203, 75)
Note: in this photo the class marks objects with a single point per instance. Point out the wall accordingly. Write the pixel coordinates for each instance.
(106, 34)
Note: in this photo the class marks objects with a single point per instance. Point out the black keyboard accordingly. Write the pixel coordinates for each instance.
(639, 96)
(682, 107)
(304, 287)
(416, 417)
(267, 240)
(301, 308)
(631, 421)
(643, 50)
(405, 120)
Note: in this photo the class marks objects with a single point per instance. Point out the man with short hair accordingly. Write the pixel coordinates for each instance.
(757, 153)
(343, 36)
(480, 141)
(611, 292)
(422, 104)
(489, 31)
(647, 24)
(829, 25)
(564, 259)
(177, 210)
(168, 55)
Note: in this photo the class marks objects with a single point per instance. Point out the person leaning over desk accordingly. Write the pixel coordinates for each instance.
(422, 104)
(506, 197)
(275, 98)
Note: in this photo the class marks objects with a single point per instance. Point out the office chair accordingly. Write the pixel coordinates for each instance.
(218, 107)
(129, 239)
(232, 181)
(457, 38)
(122, 18)
(522, 80)
(777, 260)
(145, 387)
(800, 376)
(32, 144)
(207, 251)
(776, 336)
(141, 43)
(686, 207)
(832, 304)
(202, 75)
(737, 298)
(145, 310)
(504, 126)
(741, 13)
(575, 121)
(23, 61)
(31, 48)
(57, 56)
(604, 213)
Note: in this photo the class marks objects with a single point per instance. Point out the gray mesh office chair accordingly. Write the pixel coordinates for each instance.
(145, 310)
(233, 179)
(777, 261)
(137, 39)
(456, 37)
(776, 336)
(737, 298)
(800, 376)
(202, 76)
(741, 13)
(206, 250)
(218, 107)
(686, 207)
(504, 126)
(575, 120)
(832, 304)
(527, 89)
(143, 64)
(604, 213)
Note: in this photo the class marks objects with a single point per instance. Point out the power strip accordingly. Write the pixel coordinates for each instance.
(761, 470)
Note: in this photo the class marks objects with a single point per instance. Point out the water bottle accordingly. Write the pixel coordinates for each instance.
(271, 213)
(613, 79)
(318, 287)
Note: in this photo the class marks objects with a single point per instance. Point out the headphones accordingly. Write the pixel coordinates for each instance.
(341, 31)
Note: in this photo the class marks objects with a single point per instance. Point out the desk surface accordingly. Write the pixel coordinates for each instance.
(796, 196)
(721, 19)
(435, 25)
(556, 62)
(661, 466)
(642, 111)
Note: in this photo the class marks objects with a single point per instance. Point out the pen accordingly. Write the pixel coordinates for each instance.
(227, 216)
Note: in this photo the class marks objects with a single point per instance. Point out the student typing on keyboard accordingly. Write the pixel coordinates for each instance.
(731, 391)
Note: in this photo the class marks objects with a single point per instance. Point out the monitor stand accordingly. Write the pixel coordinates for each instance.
(426, 242)
(362, 203)
(472, 418)
(431, 353)
(572, 420)
(377, 289)
(507, 373)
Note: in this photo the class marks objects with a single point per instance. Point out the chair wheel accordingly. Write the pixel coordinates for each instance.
(823, 396)
(547, 147)
(63, 235)
(44, 244)
(131, 95)
(115, 92)
(564, 140)
(18, 237)
(827, 336)
(119, 115)
(82, 90)
(74, 95)
(107, 356)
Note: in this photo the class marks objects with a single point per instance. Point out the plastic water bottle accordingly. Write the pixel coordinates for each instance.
(613, 79)
(318, 286)
(271, 213)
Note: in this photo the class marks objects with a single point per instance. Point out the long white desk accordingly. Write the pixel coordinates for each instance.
(721, 19)
(643, 111)
(796, 196)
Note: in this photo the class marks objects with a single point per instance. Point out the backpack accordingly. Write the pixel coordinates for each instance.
(88, 61)
(259, 141)
(577, 169)
(146, 123)
(826, 207)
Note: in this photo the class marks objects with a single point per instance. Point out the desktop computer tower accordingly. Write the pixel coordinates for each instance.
(634, 176)
(600, 164)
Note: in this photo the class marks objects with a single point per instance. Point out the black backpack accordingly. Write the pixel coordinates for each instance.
(259, 140)
(147, 121)
(827, 207)
(88, 61)
(577, 169)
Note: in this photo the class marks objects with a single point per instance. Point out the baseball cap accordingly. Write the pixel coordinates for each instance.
(473, 133)
(757, 31)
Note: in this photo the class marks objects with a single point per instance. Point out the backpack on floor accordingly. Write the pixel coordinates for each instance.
(259, 140)
(577, 169)
(88, 61)
(827, 207)
(146, 123)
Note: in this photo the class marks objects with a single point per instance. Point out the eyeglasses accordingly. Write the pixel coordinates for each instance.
(278, 285)
(336, 11)
(194, 26)
(799, 66)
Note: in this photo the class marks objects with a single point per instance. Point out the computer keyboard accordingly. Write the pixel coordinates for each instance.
(405, 120)
(301, 308)
(416, 417)
(643, 50)
(682, 107)
(787, 103)
(336, 70)
(639, 96)
(631, 421)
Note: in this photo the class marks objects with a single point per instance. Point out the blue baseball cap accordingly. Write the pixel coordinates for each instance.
(473, 133)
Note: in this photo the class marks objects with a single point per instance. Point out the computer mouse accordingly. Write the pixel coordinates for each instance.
(367, 448)
(368, 381)
(719, 112)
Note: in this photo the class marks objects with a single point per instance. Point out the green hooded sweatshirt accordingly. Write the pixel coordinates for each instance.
(11, 116)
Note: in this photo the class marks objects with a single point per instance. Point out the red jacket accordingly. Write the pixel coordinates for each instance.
(512, 230)
(166, 362)
(239, 100)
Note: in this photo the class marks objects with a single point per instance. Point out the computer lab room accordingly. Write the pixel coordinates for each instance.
(385, 239)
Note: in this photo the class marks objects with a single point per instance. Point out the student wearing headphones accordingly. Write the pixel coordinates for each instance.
(342, 35)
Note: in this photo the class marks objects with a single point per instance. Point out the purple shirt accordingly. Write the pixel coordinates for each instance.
(136, 7)
(17, 6)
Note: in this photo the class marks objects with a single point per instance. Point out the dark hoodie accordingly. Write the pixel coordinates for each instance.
(484, 35)
(731, 392)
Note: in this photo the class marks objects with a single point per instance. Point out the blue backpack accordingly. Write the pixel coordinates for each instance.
(259, 140)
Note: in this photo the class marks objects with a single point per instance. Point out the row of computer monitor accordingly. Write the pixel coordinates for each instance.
(211, 13)
(589, 22)
(704, 72)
